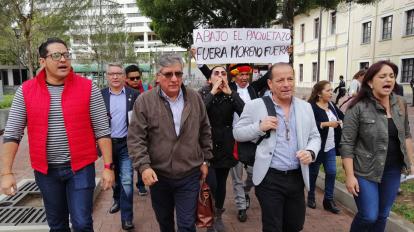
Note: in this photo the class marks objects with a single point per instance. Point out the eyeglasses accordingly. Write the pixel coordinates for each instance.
(134, 78)
(119, 74)
(169, 75)
(56, 56)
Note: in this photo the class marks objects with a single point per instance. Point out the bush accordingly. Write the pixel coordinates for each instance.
(7, 101)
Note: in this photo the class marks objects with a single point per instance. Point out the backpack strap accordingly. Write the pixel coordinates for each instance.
(271, 112)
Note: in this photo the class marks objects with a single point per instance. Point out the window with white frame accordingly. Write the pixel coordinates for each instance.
(301, 72)
(407, 70)
(333, 23)
(314, 71)
(387, 28)
(302, 32)
(331, 69)
(316, 28)
(366, 32)
(409, 26)
(363, 65)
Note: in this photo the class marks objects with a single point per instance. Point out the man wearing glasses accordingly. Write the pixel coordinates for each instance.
(169, 140)
(119, 101)
(133, 80)
(281, 169)
(65, 116)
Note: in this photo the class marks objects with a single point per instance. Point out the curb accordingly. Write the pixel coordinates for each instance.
(395, 223)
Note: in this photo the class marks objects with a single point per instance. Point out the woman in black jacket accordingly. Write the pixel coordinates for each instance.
(221, 103)
(329, 121)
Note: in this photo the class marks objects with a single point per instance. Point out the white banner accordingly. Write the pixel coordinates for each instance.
(241, 45)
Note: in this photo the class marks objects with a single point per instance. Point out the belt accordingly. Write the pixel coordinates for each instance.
(119, 140)
(287, 172)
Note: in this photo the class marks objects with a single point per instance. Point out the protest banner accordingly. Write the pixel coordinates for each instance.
(241, 45)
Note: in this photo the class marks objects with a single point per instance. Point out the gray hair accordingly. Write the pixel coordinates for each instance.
(167, 60)
(115, 64)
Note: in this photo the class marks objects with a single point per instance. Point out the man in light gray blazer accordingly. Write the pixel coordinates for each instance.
(281, 170)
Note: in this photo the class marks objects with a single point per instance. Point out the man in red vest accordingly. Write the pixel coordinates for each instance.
(65, 115)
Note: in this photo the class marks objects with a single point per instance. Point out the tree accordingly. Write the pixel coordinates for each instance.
(174, 21)
(36, 20)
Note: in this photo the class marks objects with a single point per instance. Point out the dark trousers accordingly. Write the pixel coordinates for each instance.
(328, 159)
(123, 189)
(217, 179)
(282, 201)
(181, 194)
(65, 193)
(341, 93)
(374, 201)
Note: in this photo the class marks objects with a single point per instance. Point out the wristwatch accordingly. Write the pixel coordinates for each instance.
(312, 154)
(110, 166)
(206, 162)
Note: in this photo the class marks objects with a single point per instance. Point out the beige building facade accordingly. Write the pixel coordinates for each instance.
(353, 37)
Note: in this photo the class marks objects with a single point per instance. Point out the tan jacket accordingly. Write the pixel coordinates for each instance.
(152, 140)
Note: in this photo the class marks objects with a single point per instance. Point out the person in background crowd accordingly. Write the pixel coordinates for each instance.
(65, 117)
(340, 89)
(133, 80)
(281, 169)
(412, 89)
(353, 89)
(221, 103)
(119, 100)
(374, 156)
(329, 122)
(169, 140)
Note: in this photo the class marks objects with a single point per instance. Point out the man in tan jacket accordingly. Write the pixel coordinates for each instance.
(169, 141)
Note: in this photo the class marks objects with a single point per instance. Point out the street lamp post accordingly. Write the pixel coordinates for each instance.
(18, 33)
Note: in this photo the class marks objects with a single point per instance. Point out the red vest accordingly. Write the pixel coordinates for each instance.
(76, 97)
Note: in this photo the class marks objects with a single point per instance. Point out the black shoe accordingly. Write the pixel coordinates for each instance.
(330, 205)
(242, 216)
(247, 201)
(114, 208)
(127, 225)
(312, 203)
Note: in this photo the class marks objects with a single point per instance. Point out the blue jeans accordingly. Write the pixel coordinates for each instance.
(181, 194)
(123, 188)
(67, 193)
(375, 200)
(328, 159)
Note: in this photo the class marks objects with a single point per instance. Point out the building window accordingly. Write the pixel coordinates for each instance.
(366, 32)
(17, 80)
(363, 65)
(333, 23)
(301, 72)
(302, 33)
(407, 72)
(409, 29)
(314, 71)
(131, 15)
(331, 69)
(387, 27)
(4, 77)
(316, 28)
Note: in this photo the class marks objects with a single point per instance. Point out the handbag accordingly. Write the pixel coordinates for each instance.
(247, 150)
(205, 210)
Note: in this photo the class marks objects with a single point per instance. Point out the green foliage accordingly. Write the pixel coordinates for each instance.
(7, 101)
(36, 20)
(174, 21)
(405, 210)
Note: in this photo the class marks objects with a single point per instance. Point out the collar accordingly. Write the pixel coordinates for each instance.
(238, 86)
(164, 96)
(122, 91)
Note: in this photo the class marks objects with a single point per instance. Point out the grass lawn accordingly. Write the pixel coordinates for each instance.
(7, 101)
(403, 206)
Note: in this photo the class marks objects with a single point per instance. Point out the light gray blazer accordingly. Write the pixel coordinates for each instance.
(247, 129)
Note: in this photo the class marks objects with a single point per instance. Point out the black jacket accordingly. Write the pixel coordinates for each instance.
(220, 110)
(320, 116)
(131, 96)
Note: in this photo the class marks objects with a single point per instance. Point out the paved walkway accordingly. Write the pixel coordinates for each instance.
(144, 219)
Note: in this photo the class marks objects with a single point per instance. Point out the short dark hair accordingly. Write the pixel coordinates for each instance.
(341, 77)
(132, 68)
(43, 47)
